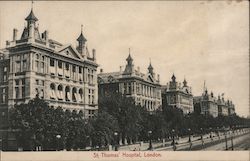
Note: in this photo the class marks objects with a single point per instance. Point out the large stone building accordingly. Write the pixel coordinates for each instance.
(208, 104)
(176, 95)
(143, 88)
(35, 65)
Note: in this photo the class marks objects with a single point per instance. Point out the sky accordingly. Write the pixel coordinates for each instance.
(197, 40)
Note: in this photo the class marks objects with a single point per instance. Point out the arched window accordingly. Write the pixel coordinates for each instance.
(67, 93)
(52, 91)
(81, 95)
(74, 95)
(60, 92)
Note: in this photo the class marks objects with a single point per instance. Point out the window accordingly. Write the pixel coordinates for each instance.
(5, 77)
(23, 92)
(37, 56)
(80, 70)
(52, 62)
(17, 82)
(43, 58)
(42, 82)
(4, 95)
(42, 67)
(18, 66)
(24, 65)
(5, 69)
(74, 69)
(67, 66)
(60, 64)
(37, 82)
(17, 92)
(37, 65)
(42, 93)
(23, 81)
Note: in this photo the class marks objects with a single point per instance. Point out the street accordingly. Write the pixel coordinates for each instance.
(231, 141)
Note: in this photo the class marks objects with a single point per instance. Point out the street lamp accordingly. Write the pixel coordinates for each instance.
(202, 141)
(116, 146)
(225, 133)
(232, 138)
(218, 134)
(189, 138)
(150, 147)
(210, 131)
(58, 138)
(174, 147)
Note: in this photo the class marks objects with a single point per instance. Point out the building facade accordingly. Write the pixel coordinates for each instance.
(208, 104)
(144, 89)
(176, 95)
(36, 65)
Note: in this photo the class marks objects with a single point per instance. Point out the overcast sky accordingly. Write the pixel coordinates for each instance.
(197, 40)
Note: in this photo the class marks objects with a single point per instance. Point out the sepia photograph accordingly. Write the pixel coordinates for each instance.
(119, 80)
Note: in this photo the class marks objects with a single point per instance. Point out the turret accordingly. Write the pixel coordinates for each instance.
(81, 44)
(31, 24)
(151, 69)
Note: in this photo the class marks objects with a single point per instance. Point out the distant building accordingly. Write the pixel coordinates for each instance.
(206, 104)
(144, 89)
(177, 95)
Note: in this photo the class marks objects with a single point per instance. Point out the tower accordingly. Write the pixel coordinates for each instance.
(151, 69)
(129, 69)
(81, 43)
(31, 23)
(184, 83)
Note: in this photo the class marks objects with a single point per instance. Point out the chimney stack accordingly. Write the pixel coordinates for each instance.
(120, 69)
(158, 77)
(14, 34)
(45, 35)
(94, 55)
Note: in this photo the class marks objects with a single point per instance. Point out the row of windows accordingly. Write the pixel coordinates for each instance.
(70, 94)
(144, 90)
(74, 72)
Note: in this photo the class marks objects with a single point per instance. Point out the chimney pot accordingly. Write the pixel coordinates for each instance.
(14, 34)
(94, 55)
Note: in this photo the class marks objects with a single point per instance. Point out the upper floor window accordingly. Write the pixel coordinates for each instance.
(5, 69)
(67, 66)
(52, 62)
(60, 64)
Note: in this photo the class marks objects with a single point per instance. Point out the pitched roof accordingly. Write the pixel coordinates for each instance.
(81, 38)
(31, 16)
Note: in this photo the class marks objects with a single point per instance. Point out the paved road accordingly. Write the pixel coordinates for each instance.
(241, 141)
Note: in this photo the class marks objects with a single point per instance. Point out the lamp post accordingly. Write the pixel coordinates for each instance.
(58, 137)
(202, 141)
(116, 146)
(218, 134)
(173, 132)
(232, 138)
(210, 133)
(189, 139)
(150, 147)
(225, 133)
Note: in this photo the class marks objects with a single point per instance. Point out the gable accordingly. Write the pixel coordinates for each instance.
(150, 78)
(111, 79)
(69, 52)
